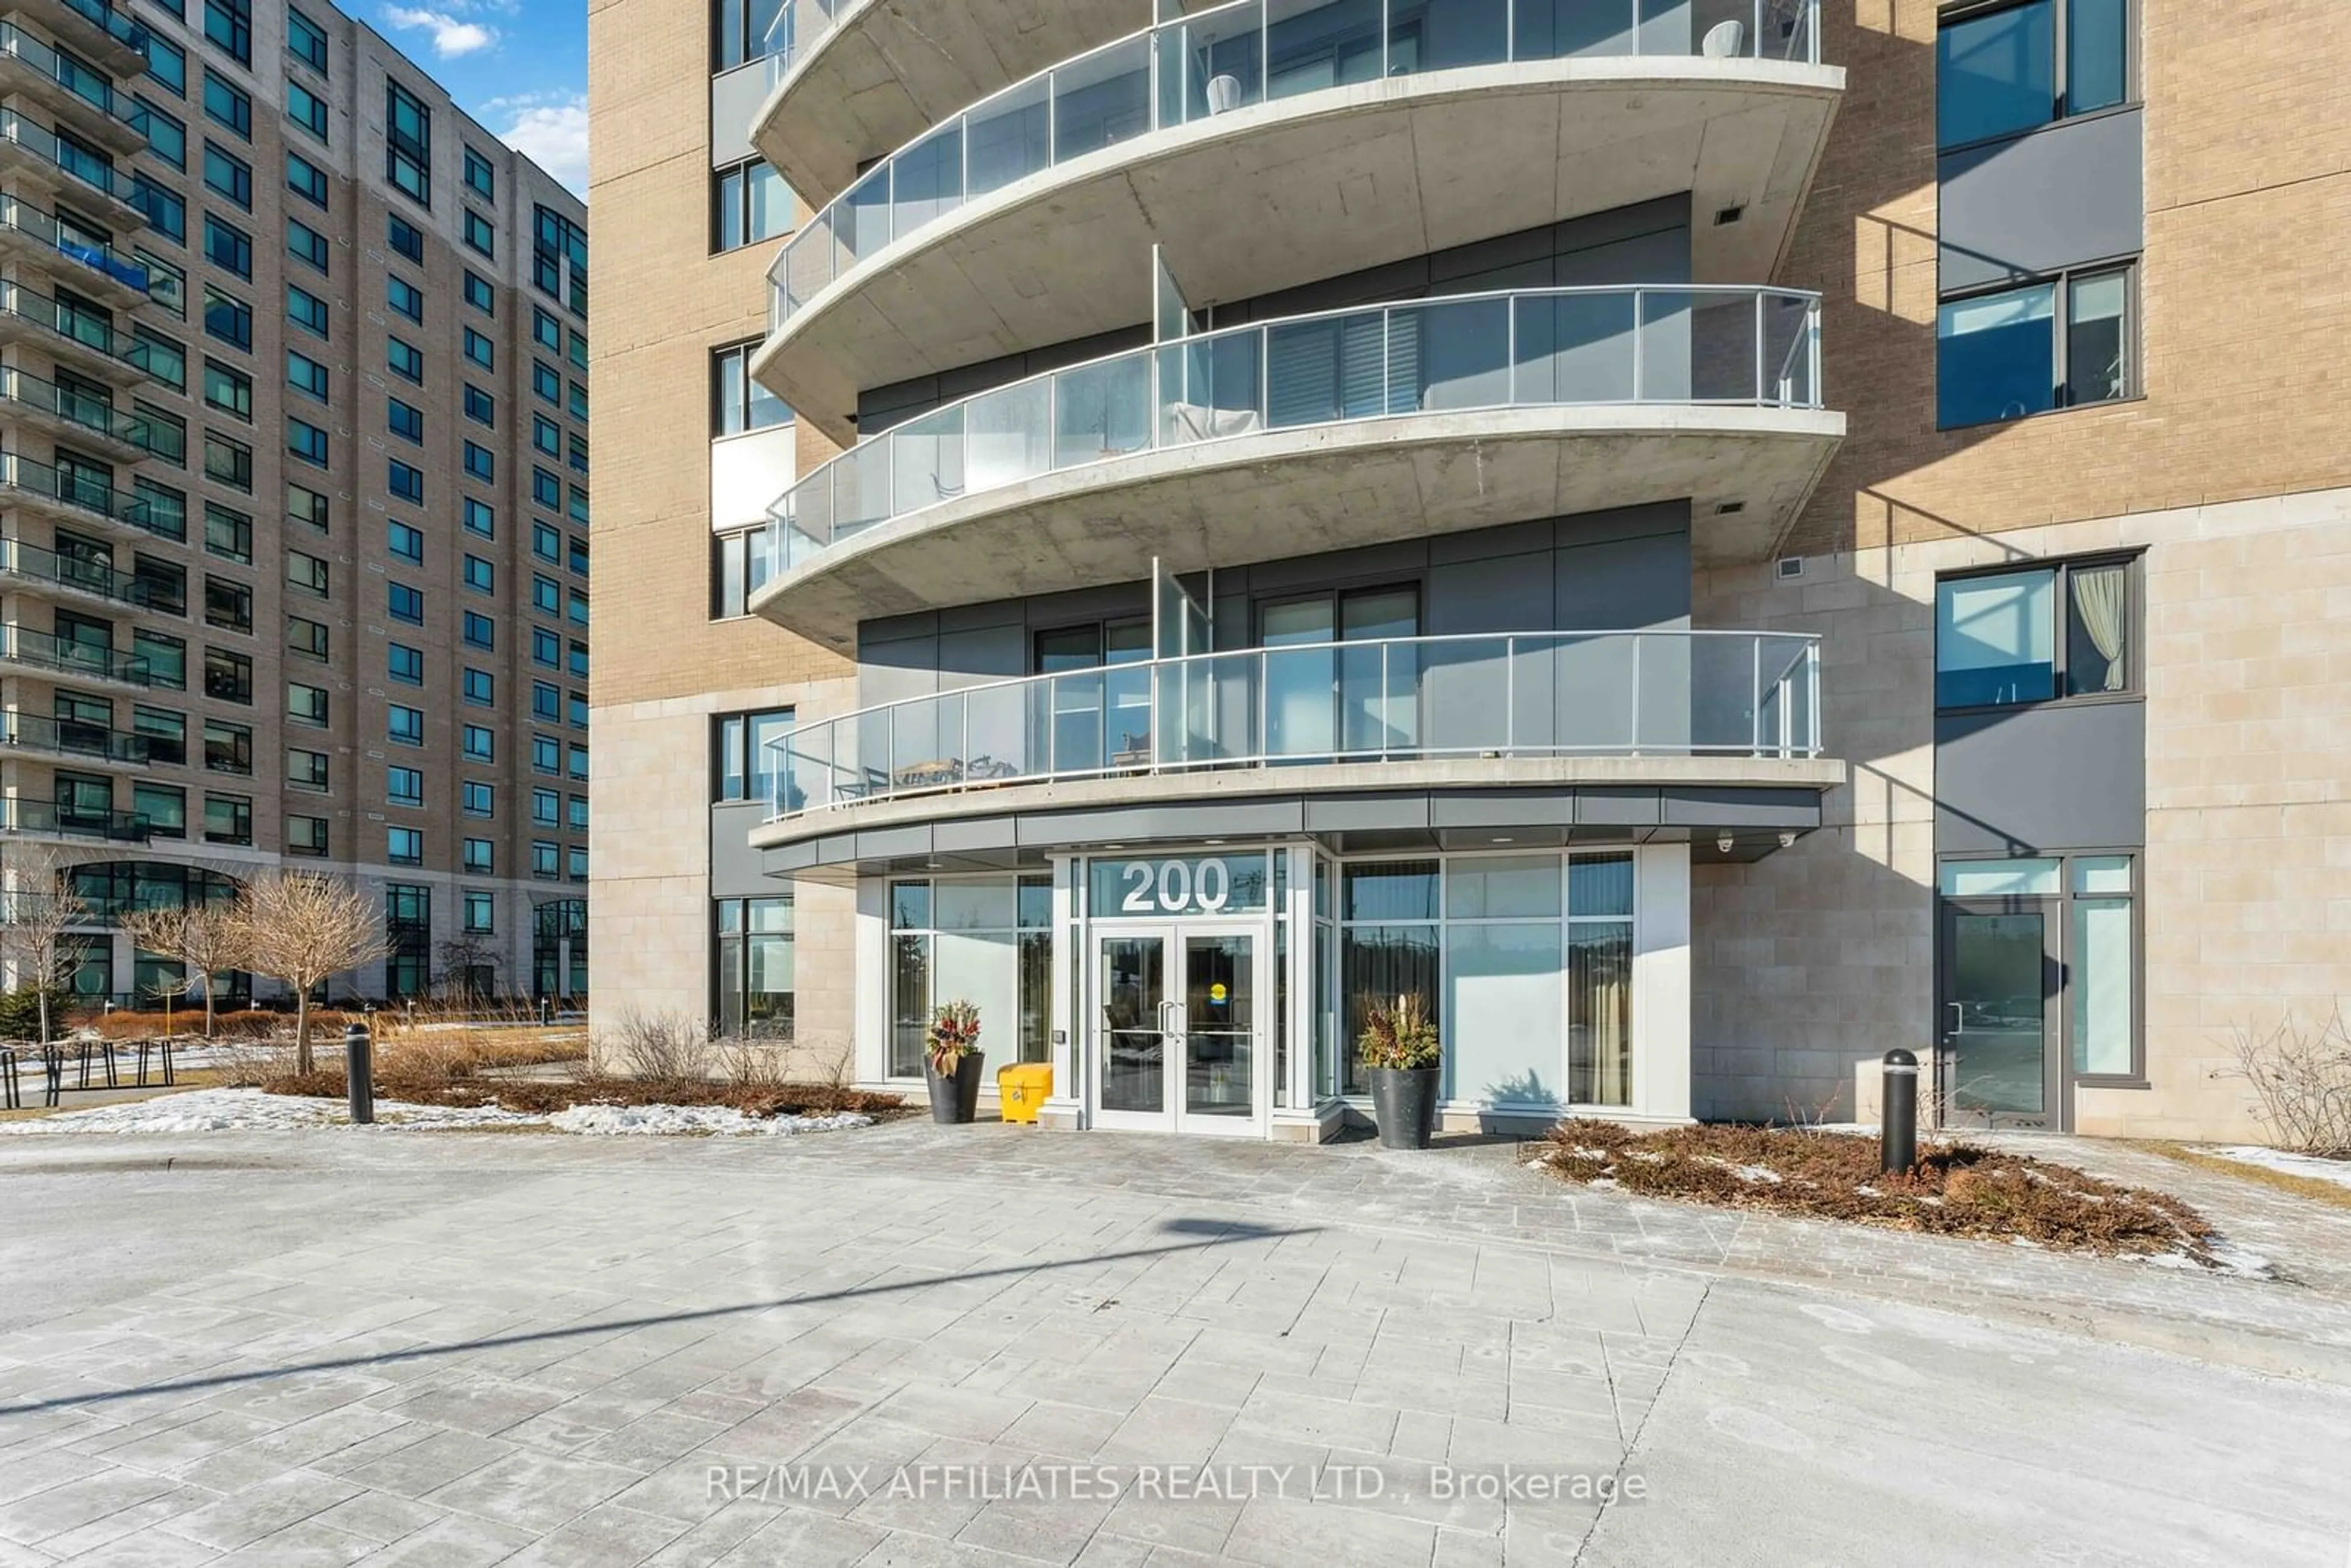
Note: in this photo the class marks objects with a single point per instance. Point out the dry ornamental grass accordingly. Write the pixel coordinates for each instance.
(1956, 1189)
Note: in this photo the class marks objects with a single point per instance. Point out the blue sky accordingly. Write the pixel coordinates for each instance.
(520, 66)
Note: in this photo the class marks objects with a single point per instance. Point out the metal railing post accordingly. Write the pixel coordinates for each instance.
(1632, 736)
(1640, 316)
(1757, 304)
(1755, 690)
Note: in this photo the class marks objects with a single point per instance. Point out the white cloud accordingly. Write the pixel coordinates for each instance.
(555, 137)
(452, 35)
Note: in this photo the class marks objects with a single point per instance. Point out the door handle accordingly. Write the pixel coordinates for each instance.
(1959, 1018)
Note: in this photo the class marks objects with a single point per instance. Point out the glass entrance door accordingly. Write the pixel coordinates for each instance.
(2000, 968)
(1176, 1046)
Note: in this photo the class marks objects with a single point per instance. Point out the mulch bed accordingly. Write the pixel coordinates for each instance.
(544, 1096)
(1957, 1188)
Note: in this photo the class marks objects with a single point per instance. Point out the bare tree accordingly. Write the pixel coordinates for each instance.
(302, 929)
(204, 939)
(41, 908)
(464, 962)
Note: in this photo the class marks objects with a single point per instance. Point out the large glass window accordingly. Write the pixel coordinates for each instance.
(407, 144)
(747, 767)
(1523, 961)
(754, 967)
(2005, 69)
(987, 941)
(2031, 635)
(737, 402)
(2063, 343)
(749, 203)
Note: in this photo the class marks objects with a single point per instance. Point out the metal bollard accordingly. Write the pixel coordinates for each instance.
(358, 1072)
(1898, 1113)
(546, 1011)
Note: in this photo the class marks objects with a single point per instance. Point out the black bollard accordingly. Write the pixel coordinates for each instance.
(358, 1072)
(1898, 1113)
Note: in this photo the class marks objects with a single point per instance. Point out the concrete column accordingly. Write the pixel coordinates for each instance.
(1661, 983)
(872, 1029)
(1065, 1107)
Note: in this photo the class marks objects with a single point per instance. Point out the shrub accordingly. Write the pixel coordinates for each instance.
(2300, 1079)
(1398, 1034)
(123, 1024)
(20, 1013)
(669, 1046)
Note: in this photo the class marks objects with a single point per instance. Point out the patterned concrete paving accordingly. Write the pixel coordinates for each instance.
(989, 1348)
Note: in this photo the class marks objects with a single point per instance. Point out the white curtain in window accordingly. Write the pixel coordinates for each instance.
(2098, 600)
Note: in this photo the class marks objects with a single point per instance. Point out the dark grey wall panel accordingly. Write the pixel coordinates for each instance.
(2069, 775)
(2068, 192)
(736, 870)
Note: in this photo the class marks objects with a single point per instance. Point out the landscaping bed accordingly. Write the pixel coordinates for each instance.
(544, 1096)
(1957, 1188)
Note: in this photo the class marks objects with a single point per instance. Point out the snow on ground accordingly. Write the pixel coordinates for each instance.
(250, 1110)
(2310, 1166)
(618, 1121)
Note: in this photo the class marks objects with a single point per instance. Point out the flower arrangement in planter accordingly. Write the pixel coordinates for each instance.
(1399, 1052)
(951, 1057)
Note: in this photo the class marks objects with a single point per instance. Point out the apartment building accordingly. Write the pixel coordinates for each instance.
(1707, 539)
(293, 356)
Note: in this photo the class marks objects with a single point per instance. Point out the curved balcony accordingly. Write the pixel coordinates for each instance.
(987, 237)
(31, 736)
(87, 100)
(84, 263)
(1320, 433)
(80, 420)
(24, 651)
(847, 81)
(31, 151)
(1479, 712)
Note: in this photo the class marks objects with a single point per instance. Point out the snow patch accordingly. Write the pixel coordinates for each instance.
(723, 1121)
(2313, 1166)
(252, 1111)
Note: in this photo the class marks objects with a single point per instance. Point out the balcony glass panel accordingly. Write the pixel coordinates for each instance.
(1304, 700)
(1530, 347)
(1230, 58)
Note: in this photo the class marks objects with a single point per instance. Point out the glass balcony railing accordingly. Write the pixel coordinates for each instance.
(1549, 347)
(1249, 52)
(18, 559)
(87, 250)
(92, 332)
(794, 32)
(40, 650)
(96, 171)
(1405, 699)
(52, 819)
(93, 414)
(72, 737)
(83, 491)
(91, 87)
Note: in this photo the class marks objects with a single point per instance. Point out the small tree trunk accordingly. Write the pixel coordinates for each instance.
(208, 1008)
(302, 1064)
(41, 995)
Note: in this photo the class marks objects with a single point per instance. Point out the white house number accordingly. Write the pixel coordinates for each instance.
(1175, 887)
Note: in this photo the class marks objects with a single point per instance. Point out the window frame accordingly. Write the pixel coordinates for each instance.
(2060, 68)
(2062, 282)
(2062, 597)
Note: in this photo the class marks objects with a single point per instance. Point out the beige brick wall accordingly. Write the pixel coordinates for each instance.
(2248, 197)
(1819, 958)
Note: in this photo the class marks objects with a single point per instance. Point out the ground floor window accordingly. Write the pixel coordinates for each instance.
(408, 928)
(558, 948)
(987, 941)
(754, 967)
(1525, 963)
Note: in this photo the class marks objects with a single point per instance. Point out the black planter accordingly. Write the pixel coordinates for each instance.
(955, 1099)
(1403, 1102)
